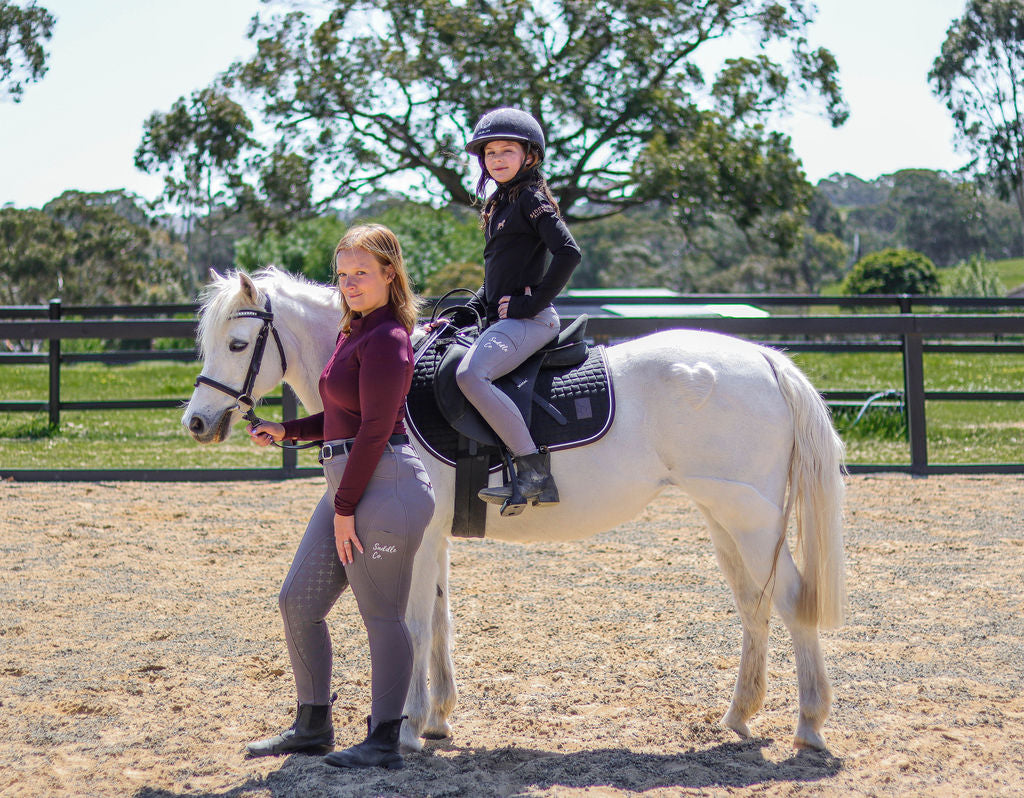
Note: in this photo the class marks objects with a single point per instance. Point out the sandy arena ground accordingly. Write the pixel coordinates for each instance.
(140, 649)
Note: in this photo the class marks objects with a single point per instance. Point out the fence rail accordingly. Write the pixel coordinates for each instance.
(911, 334)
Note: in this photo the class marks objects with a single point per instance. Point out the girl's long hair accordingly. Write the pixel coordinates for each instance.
(536, 180)
(383, 244)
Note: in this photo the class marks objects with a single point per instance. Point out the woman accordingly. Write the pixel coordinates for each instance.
(366, 529)
(522, 228)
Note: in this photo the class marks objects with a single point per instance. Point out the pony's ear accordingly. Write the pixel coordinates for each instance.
(214, 274)
(248, 287)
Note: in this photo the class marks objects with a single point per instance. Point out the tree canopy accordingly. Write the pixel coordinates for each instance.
(24, 32)
(390, 90)
(88, 248)
(199, 147)
(980, 75)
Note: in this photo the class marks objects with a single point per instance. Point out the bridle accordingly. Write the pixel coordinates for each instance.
(244, 396)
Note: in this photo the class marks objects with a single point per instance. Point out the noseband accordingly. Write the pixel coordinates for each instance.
(244, 396)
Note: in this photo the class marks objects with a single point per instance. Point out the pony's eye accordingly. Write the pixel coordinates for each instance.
(237, 346)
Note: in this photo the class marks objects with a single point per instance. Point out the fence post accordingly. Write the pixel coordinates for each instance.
(54, 358)
(289, 410)
(913, 384)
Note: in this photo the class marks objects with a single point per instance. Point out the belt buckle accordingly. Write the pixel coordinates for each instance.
(326, 452)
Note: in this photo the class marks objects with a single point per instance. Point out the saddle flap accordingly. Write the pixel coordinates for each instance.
(452, 402)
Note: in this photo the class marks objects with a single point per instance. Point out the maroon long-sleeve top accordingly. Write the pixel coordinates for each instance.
(363, 388)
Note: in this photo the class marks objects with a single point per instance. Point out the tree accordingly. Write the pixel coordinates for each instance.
(23, 34)
(306, 248)
(980, 75)
(451, 276)
(199, 146)
(948, 217)
(939, 215)
(892, 271)
(385, 90)
(115, 253)
(284, 194)
(33, 252)
(88, 248)
(432, 238)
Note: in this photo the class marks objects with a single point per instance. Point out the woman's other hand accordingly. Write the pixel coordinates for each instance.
(345, 539)
(503, 303)
(265, 432)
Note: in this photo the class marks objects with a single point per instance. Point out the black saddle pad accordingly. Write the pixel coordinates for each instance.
(582, 394)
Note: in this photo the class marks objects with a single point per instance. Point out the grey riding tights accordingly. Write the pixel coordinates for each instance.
(390, 519)
(500, 348)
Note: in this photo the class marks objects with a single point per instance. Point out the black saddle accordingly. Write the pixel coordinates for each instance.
(564, 392)
(565, 351)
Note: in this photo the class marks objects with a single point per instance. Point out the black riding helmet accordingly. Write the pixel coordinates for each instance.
(506, 124)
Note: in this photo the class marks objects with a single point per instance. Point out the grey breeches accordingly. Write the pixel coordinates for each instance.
(500, 348)
(390, 519)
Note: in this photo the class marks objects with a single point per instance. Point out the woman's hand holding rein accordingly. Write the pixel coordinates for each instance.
(266, 432)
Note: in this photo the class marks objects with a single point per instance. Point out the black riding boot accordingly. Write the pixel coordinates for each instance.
(379, 749)
(533, 473)
(312, 733)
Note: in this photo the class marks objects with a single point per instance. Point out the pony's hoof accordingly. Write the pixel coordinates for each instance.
(736, 725)
(410, 740)
(809, 740)
(437, 731)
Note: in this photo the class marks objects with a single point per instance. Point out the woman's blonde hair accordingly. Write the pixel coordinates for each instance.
(383, 244)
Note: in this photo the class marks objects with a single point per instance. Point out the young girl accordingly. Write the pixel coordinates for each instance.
(521, 226)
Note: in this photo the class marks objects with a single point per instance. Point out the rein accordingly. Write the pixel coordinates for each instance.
(244, 396)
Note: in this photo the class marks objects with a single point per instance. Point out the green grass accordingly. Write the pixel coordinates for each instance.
(958, 432)
(1010, 271)
(119, 438)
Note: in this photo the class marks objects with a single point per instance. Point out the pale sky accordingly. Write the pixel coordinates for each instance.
(114, 62)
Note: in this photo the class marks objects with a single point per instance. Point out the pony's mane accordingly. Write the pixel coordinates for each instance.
(223, 297)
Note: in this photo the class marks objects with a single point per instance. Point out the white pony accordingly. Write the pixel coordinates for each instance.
(734, 425)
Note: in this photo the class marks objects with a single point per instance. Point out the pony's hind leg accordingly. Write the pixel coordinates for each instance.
(443, 692)
(755, 546)
(754, 611)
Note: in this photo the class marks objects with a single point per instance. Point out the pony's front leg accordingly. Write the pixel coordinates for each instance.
(443, 692)
(419, 619)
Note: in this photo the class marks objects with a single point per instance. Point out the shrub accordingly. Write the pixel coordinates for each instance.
(892, 271)
(974, 277)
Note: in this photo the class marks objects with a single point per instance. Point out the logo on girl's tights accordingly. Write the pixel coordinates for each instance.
(379, 550)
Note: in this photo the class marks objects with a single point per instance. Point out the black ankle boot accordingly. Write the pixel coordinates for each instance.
(312, 733)
(533, 473)
(379, 749)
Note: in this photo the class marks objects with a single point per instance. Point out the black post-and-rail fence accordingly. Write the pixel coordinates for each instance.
(995, 326)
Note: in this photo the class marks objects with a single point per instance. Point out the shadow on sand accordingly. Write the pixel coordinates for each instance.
(446, 769)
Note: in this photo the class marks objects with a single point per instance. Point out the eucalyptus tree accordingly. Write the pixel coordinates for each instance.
(980, 75)
(24, 31)
(388, 90)
(199, 146)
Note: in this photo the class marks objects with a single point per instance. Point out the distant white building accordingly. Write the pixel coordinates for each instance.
(629, 303)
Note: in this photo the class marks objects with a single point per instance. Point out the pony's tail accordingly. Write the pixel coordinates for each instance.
(815, 497)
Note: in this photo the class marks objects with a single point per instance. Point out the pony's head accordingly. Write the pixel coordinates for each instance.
(236, 373)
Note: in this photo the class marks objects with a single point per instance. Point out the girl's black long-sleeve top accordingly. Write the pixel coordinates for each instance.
(523, 228)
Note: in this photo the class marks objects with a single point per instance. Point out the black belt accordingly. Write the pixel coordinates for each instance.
(338, 448)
